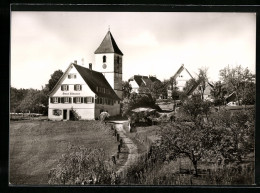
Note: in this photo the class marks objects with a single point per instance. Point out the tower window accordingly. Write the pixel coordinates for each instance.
(104, 59)
(117, 59)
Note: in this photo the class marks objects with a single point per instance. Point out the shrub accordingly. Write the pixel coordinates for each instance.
(80, 165)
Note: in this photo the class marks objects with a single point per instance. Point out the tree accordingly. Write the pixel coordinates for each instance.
(16, 96)
(35, 101)
(54, 79)
(218, 91)
(195, 107)
(236, 132)
(127, 88)
(138, 100)
(156, 89)
(188, 140)
(236, 80)
(202, 79)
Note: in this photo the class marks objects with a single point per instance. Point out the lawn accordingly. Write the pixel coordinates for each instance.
(36, 146)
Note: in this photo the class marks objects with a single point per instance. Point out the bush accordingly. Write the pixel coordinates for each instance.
(80, 165)
(138, 100)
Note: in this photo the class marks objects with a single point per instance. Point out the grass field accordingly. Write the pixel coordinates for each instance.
(36, 146)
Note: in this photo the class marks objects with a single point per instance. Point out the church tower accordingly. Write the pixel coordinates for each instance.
(108, 60)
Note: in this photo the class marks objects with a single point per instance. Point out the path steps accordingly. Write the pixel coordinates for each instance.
(133, 151)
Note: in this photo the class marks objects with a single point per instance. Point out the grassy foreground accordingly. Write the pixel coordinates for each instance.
(36, 146)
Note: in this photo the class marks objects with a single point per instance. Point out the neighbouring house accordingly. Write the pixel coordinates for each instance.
(197, 87)
(181, 77)
(138, 81)
(87, 92)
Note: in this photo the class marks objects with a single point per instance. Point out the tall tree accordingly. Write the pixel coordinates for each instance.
(202, 79)
(218, 91)
(236, 80)
(54, 79)
(127, 88)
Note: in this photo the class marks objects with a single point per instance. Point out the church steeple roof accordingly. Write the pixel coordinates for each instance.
(108, 45)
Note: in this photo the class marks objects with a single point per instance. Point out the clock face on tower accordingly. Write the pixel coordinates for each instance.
(104, 66)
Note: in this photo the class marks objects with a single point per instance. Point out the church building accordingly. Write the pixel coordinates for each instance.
(87, 92)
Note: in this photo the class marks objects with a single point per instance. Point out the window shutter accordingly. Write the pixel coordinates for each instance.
(81, 99)
(74, 99)
(58, 99)
(62, 87)
(92, 99)
(85, 99)
(70, 100)
(62, 99)
(80, 87)
(51, 99)
(75, 87)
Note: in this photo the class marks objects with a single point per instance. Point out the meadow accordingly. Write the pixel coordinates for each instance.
(36, 146)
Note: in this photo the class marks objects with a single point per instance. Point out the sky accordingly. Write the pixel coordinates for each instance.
(153, 43)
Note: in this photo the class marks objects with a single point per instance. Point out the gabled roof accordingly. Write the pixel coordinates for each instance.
(180, 70)
(108, 45)
(143, 80)
(96, 79)
(93, 79)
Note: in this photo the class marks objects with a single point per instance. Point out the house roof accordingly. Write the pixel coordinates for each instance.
(93, 79)
(96, 79)
(140, 80)
(180, 70)
(108, 45)
(192, 88)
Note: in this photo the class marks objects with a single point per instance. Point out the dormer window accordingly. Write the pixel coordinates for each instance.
(77, 87)
(104, 59)
(72, 76)
(64, 87)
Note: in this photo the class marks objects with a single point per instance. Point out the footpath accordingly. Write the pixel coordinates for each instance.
(133, 150)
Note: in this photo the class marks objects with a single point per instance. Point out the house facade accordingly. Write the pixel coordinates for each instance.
(87, 92)
(181, 77)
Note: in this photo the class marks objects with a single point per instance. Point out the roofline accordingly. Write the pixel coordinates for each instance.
(59, 80)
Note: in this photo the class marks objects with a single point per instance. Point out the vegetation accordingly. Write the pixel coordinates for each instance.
(240, 81)
(36, 147)
(137, 100)
(33, 100)
(81, 166)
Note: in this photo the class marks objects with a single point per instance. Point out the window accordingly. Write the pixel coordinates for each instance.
(64, 87)
(77, 87)
(55, 99)
(104, 59)
(117, 59)
(72, 76)
(66, 99)
(56, 112)
(77, 99)
(89, 100)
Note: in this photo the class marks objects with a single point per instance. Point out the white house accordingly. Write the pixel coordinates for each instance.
(89, 92)
(181, 77)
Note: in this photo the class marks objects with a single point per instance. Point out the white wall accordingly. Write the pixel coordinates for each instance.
(85, 110)
(134, 86)
(181, 79)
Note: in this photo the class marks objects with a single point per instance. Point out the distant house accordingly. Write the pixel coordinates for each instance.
(138, 81)
(181, 77)
(197, 87)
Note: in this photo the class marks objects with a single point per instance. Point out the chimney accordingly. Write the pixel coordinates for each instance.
(82, 60)
(90, 66)
(75, 61)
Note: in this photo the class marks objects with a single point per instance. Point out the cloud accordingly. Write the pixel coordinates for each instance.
(145, 38)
